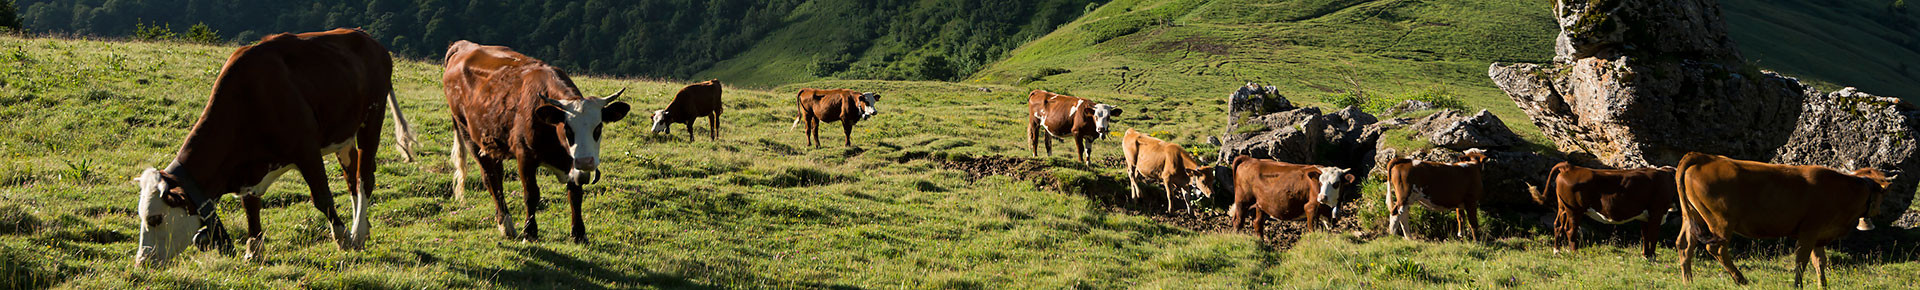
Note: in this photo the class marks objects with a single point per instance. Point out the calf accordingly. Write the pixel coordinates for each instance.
(1284, 191)
(280, 104)
(1608, 196)
(1439, 186)
(694, 101)
(1153, 159)
(507, 105)
(1058, 116)
(1722, 197)
(838, 105)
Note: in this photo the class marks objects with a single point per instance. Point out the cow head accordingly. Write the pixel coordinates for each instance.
(1331, 179)
(1202, 179)
(166, 226)
(579, 122)
(866, 102)
(1476, 156)
(1880, 183)
(1103, 117)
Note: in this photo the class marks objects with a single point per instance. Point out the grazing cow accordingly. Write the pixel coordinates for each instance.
(1608, 196)
(280, 104)
(507, 105)
(1440, 186)
(1721, 197)
(1153, 159)
(838, 105)
(694, 101)
(1061, 116)
(1266, 188)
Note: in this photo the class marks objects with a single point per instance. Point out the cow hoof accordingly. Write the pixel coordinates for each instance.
(341, 238)
(580, 240)
(256, 250)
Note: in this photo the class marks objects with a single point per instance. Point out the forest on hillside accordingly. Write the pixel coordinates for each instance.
(915, 40)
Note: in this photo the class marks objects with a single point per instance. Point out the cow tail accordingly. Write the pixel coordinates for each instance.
(1393, 180)
(1547, 195)
(1684, 202)
(800, 109)
(402, 131)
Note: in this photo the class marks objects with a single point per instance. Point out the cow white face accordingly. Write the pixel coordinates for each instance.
(1331, 178)
(1103, 116)
(867, 101)
(165, 230)
(1202, 179)
(660, 122)
(580, 121)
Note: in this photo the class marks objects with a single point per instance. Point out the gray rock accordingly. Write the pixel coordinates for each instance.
(1849, 130)
(1505, 177)
(1639, 83)
(1451, 129)
(1255, 100)
(1289, 136)
(1409, 106)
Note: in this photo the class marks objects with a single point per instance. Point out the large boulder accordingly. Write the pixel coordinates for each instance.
(1849, 130)
(1452, 129)
(1505, 177)
(1255, 100)
(1289, 136)
(1640, 83)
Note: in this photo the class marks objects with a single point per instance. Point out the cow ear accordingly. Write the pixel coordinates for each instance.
(1313, 175)
(550, 115)
(1114, 112)
(614, 112)
(1350, 178)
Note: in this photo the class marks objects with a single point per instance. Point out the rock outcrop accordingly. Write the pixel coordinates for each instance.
(1452, 129)
(1255, 100)
(1642, 82)
(1305, 136)
(1849, 130)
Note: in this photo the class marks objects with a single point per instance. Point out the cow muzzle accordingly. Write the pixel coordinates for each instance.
(585, 171)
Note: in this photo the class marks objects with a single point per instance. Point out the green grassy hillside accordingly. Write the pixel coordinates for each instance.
(1870, 44)
(755, 210)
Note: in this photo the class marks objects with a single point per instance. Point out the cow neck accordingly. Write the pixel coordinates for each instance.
(198, 201)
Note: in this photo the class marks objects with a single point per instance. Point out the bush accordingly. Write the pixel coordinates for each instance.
(156, 32)
(9, 19)
(202, 34)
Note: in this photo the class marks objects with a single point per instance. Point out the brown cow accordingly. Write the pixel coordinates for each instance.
(1609, 196)
(1060, 116)
(507, 105)
(1153, 159)
(837, 105)
(1721, 197)
(1439, 186)
(694, 101)
(281, 104)
(1283, 191)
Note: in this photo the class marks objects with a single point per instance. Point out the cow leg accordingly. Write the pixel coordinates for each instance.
(315, 174)
(1473, 222)
(458, 156)
(530, 186)
(350, 170)
(1168, 186)
(1234, 215)
(575, 195)
(1033, 137)
(1685, 247)
(714, 122)
(847, 131)
(1559, 229)
(1820, 263)
(1648, 231)
(813, 131)
(1719, 250)
(493, 176)
(1801, 251)
(256, 246)
(690, 136)
(1079, 148)
(1133, 181)
(1260, 224)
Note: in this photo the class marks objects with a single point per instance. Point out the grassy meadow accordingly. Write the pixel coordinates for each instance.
(757, 209)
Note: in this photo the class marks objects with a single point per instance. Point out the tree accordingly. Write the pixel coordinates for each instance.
(156, 32)
(202, 34)
(9, 17)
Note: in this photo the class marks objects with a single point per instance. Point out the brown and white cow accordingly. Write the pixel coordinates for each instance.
(1721, 197)
(1440, 186)
(837, 105)
(694, 101)
(1154, 159)
(1052, 116)
(1615, 196)
(1266, 188)
(281, 104)
(507, 105)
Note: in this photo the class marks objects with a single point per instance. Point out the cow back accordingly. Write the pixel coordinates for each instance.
(696, 100)
(1763, 200)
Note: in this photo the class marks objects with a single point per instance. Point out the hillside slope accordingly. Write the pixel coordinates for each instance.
(1861, 43)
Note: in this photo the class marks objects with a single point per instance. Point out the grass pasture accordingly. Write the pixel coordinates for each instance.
(754, 210)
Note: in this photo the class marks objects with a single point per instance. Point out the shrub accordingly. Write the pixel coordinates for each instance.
(154, 32)
(202, 34)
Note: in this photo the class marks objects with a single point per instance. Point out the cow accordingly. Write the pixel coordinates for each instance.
(1437, 185)
(1615, 197)
(694, 101)
(507, 105)
(1721, 197)
(1053, 116)
(1266, 188)
(836, 105)
(1153, 159)
(281, 104)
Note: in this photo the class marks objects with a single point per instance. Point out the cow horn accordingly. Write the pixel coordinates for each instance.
(616, 95)
(543, 96)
